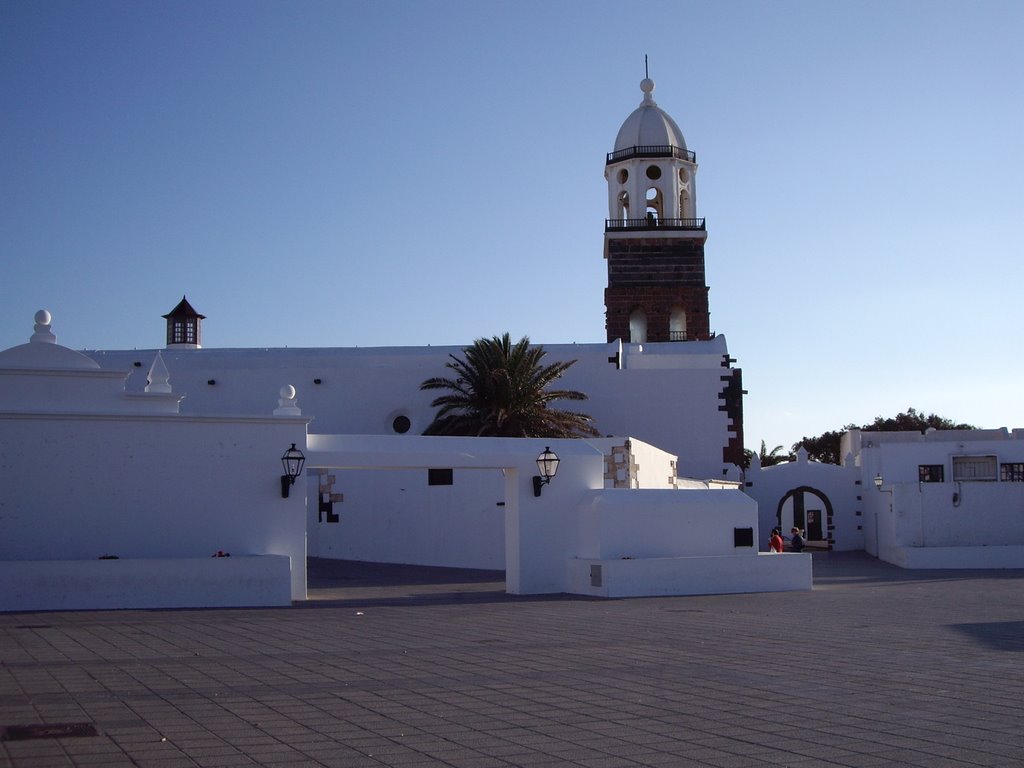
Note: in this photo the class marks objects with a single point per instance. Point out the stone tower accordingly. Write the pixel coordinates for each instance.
(654, 242)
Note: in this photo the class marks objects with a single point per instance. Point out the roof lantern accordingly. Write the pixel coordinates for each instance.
(184, 326)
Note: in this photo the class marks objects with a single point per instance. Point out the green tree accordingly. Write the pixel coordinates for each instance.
(825, 447)
(766, 457)
(501, 389)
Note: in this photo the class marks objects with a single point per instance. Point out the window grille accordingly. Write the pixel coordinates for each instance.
(975, 468)
(1012, 473)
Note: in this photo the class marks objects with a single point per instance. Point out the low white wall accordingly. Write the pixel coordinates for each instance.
(690, 575)
(957, 557)
(663, 523)
(59, 585)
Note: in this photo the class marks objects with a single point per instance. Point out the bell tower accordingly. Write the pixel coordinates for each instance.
(654, 242)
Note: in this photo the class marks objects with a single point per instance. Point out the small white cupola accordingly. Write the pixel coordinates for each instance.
(650, 172)
(184, 326)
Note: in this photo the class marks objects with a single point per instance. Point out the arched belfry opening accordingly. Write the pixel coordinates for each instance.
(654, 247)
(637, 326)
(184, 326)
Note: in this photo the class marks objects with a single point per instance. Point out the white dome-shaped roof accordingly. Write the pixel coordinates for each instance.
(649, 125)
(45, 357)
(43, 352)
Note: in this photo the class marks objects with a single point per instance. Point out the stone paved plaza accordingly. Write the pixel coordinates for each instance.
(414, 667)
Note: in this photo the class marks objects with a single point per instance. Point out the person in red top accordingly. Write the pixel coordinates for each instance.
(775, 542)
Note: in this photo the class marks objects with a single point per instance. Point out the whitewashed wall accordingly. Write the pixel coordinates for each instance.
(841, 485)
(666, 395)
(966, 524)
(394, 516)
(545, 538)
(84, 486)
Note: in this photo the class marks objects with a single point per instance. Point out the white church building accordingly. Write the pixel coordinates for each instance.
(132, 466)
(154, 478)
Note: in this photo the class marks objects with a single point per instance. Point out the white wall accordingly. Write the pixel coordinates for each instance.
(666, 395)
(952, 524)
(619, 524)
(841, 485)
(545, 538)
(394, 516)
(78, 487)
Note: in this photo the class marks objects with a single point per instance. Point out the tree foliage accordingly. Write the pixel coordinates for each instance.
(765, 457)
(501, 389)
(825, 447)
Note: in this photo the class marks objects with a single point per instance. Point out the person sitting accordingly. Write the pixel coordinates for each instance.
(775, 542)
(796, 543)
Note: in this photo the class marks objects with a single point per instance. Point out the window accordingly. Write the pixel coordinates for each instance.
(975, 468)
(677, 324)
(440, 477)
(930, 473)
(637, 326)
(1011, 473)
(743, 537)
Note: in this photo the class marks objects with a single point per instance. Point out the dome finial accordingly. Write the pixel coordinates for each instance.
(42, 328)
(647, 86)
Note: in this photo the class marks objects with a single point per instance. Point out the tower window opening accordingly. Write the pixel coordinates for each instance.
(677, 324)
(623, 176)
(653, 172)
(655, 203)
(624, 204)
(637, 326)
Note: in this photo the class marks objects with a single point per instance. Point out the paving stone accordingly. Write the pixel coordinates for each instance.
(874, 667)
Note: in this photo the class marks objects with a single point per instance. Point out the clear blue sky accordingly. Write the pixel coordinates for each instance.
(408, 173)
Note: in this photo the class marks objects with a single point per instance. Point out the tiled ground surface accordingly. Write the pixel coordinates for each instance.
(414, 667)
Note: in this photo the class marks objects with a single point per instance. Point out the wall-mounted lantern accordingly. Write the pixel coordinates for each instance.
(547, 465)
(292, 461)
(878, 481)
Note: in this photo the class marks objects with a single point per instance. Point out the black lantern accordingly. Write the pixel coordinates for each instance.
(292, 461)
(547, 465)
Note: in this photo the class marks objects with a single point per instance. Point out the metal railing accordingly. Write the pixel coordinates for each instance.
(625, 225)
(651, 150)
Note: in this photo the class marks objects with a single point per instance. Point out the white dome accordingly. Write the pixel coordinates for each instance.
(36, 356)
(649, 125)
(43, 352)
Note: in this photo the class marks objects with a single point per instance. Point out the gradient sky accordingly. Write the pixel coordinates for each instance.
(410, 173)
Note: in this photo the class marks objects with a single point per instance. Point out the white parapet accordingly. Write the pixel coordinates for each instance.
(207, 582)
(690, 575)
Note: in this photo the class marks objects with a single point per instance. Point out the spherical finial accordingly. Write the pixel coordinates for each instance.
(647, 85)
(286, 405)
(43, 334)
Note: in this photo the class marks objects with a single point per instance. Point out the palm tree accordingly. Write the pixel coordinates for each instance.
(768, 458)
(501, 389)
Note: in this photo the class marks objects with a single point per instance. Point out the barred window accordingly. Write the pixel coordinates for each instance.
(1012, 473)
(930, 473)
(977, 468)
